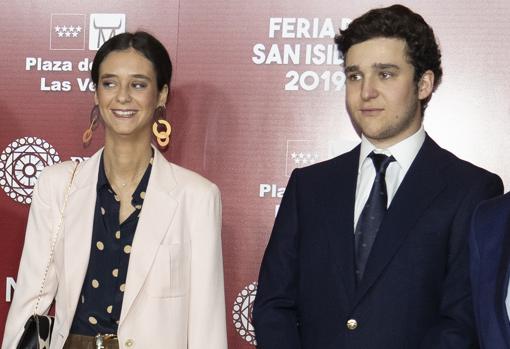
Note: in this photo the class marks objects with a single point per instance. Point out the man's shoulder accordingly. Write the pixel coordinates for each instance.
(346, 161)
(453, 166)
(493, 209)
(490, 222)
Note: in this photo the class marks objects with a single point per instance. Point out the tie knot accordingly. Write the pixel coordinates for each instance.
(381, 162)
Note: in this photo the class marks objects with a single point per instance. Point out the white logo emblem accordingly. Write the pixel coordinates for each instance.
(67, 31)
(21, 162)
(299, 154)
(241, 313)
(104, 26)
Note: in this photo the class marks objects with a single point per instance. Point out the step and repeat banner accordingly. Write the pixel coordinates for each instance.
(258, 90)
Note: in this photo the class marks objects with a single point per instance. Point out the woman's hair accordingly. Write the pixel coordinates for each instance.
(142, 42)
(398, 22)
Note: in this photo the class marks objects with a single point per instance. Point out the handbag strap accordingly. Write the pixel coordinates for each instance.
(55, 238)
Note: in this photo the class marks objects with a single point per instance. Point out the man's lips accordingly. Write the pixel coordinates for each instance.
(371, 111)
(124, 113)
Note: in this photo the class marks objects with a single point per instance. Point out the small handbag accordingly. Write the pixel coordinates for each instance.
(38, 328)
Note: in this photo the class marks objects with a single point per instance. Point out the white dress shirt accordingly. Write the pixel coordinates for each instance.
(404, 153)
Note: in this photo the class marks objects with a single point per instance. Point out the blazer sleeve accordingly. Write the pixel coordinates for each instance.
(275, 311)
(455, 328)
(207, 321)
(34, 259)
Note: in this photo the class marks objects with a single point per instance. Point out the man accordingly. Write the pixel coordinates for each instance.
(370, 249)
(490, 271)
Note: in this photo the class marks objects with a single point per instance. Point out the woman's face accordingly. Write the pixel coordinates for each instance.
(127, 93)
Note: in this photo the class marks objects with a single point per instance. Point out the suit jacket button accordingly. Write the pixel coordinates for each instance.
(352, 324)
(129, 343)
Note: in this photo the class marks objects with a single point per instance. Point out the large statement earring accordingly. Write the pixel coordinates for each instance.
(161, 128)
(94, 118)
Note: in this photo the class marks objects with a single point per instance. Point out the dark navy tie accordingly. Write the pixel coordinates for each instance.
(372, 214)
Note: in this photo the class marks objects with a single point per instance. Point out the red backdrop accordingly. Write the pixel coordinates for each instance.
(257, 90)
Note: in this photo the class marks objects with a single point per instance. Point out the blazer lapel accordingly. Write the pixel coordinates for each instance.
(502, 289)
(339, 216)
(157, 213)
(422, 183)
(78, 223)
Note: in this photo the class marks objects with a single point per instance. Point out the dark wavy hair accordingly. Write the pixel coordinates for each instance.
(398, 22)
(146, 44)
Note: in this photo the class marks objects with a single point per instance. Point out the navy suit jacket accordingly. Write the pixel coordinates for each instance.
(415, 292)
(490, 261)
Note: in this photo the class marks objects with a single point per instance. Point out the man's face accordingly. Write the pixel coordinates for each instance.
(381, 95)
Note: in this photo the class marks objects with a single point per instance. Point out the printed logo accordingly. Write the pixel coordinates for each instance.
(104, 26)
(21, 162)
(67, 31)
(300, 153)
(241, 313)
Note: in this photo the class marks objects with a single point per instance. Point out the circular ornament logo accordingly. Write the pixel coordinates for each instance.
(242, 313)
(21, 162)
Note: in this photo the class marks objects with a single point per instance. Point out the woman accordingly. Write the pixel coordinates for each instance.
(138, 258)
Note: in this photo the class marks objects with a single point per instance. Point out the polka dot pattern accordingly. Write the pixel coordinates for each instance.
(101, 298)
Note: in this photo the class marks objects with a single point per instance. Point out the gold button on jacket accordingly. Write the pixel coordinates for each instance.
(352, 324)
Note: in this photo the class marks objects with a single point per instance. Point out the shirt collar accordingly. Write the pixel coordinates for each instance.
(102, 180)
(404, 152)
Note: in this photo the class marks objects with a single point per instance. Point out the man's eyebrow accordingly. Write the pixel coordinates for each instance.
(385, 66)
(378, 66)
(351, 68)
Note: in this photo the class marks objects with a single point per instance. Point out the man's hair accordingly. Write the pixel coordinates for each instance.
(398, 22)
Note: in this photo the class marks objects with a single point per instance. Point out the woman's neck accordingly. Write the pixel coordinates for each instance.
(125, 162)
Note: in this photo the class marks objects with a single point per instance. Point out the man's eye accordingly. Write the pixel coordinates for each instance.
(385, 75)
(354, 77)
(139, 85)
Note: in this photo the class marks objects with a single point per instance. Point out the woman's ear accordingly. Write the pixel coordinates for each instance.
(163, 95)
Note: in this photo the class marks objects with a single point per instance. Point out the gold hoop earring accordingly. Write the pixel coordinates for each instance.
(94, 117)
(163, 136)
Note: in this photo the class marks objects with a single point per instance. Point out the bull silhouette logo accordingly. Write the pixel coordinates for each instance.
(104, 26)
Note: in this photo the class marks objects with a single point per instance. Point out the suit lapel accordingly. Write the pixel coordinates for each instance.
(502, 288)
(339, 217)
(421, 185)
(78, 223)
(157, 213)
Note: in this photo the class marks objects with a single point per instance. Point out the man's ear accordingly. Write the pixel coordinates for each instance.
(426, 85)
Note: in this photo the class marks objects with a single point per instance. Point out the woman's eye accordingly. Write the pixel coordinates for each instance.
(107, 84)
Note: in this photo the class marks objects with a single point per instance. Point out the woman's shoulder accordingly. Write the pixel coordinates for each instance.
(187, 177)
(57, 171)
(182, 179)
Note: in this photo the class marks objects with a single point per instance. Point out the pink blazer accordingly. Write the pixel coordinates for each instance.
(174, 296)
